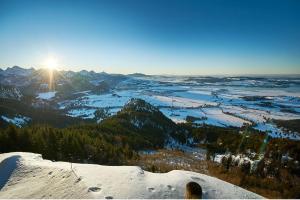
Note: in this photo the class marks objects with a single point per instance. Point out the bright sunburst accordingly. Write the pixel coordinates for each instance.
(51, 63)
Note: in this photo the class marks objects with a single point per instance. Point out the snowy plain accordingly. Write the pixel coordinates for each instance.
(222, 102)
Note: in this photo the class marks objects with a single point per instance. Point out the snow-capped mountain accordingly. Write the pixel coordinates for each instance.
(16, 71)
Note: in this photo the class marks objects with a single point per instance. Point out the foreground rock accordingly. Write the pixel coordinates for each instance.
(27, 175)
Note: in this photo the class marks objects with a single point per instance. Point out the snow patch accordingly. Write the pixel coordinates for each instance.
(46, 95)
(18, 120)
(83, 113)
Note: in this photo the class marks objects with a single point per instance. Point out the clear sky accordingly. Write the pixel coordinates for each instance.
(154, 37)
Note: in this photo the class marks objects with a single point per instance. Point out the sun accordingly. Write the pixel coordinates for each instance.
(51, 63)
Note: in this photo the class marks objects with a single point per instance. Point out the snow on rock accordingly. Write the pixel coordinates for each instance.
(239, 160)
(218, 158)
(10, 92)
(27, 175)
(46, 95)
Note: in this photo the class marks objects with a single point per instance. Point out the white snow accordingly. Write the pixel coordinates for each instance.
(218, 158)
(46, 95)
(18, 120)
(217, 117)
(276, 132)
(27, 175)
(239, 159)
(82, 112)
(183, 102)
(219, 103)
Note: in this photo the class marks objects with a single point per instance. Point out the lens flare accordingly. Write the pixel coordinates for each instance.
(51, 63)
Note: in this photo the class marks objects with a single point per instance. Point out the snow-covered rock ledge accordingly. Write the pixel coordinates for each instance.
(27, 175)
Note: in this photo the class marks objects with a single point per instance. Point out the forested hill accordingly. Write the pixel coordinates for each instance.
(137, 126)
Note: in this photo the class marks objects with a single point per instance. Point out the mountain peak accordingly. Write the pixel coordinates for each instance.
(139, 105)
(16, 70)
(16, 67)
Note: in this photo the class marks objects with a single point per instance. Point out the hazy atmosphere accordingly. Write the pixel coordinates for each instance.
(153, 37)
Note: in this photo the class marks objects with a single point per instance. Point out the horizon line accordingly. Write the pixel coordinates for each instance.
(162, 74)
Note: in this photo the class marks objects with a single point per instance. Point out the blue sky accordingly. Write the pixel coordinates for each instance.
(154, 37)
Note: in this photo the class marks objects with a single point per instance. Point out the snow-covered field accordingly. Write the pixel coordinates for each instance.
(215, 101)
(46, 95)
(27, 175)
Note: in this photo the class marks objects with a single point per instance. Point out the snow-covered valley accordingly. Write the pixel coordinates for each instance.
(222, 102)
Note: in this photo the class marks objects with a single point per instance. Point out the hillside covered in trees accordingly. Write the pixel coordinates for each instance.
(138, 126)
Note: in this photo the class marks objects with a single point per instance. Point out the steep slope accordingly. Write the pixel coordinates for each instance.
(11, 108)
(10, 92)
(27, 175)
